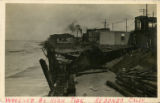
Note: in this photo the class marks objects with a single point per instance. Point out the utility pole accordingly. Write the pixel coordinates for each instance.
(146, 10)
(146, 30)
(112, 26)
(126, 24)
(105, 24)
(153, 14)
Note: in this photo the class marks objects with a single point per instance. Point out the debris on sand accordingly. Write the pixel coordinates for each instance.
(136, 75)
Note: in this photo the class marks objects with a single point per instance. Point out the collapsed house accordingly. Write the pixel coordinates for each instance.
(61, 40)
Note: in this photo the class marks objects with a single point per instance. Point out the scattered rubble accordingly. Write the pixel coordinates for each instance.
(136, 74)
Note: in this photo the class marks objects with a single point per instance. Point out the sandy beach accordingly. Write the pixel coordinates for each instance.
(95, 85)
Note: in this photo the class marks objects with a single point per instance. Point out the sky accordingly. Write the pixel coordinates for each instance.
(38, 21)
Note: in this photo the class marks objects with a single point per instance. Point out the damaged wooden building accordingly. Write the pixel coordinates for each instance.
(104, 36)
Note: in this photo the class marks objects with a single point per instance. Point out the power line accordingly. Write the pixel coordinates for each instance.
(113, 24)
(142, 10)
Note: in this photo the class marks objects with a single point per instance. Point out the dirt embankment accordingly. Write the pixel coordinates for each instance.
(136, 74)
(144, 58)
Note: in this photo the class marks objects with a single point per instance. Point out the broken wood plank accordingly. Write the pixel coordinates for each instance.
(119, 89)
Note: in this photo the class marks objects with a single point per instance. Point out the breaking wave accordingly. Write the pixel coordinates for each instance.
(21, 56)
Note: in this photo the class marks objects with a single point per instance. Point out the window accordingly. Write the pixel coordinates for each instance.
(122, 37)
(138, 24)
(152, 25)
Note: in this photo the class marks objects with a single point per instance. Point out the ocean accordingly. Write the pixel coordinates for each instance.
(23, 73)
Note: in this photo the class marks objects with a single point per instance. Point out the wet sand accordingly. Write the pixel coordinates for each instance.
(95, 85)
(27, 83)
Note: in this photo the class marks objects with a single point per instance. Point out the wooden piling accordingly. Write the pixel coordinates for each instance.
(46, 73)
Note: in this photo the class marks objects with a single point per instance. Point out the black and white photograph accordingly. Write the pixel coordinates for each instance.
(86, 50)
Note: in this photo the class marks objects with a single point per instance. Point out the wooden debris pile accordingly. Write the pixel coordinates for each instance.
(136, 76)
(140, 83)
(56, 72)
